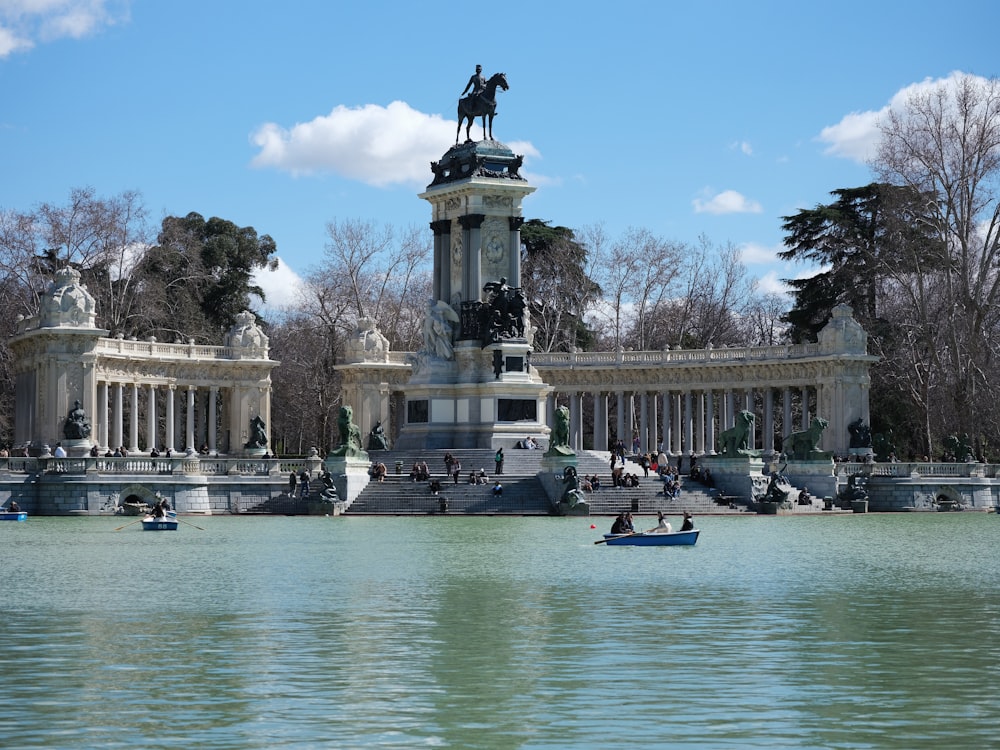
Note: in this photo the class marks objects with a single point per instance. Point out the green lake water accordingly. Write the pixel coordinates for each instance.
(867, 631)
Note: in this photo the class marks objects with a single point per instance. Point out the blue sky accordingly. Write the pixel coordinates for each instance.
(683, 118)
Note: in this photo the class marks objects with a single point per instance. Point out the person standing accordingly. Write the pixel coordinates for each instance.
(292, 481)
(499, 461)
(456, 469)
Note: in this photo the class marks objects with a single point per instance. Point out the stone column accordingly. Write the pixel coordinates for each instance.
(213, 405)
(133, 427)
(710, 422)
(700, 406)
(102, 415)
(472, 244)
(730, 418)
(442, 259)
(654, 443)
(170, 420)
(620, 435)
(600, 421)
(189, 436)
(514, 249)
(643, 422)
(769, 420)
(688, 446)
(677, 424)
(119, 415)
(667, 431)
(748, 405)
(151, 425)
(786, 422)
(805, 408)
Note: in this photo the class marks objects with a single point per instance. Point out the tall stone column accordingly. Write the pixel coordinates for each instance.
(170, 419)
(786, 420)
(688, 446)
(710, 422)
(600, 421)
(643, 422)
(678, 417)
(213, 405)
(667, 431)
(189, 436)
(769, 420)
(472, 242)
(119, 415)
(805, 408)
(515, 223)
(102, 415)
(133, 427)
(700, 427)
(620, 434)
(442, 259)
(151, 419)
(730, 418)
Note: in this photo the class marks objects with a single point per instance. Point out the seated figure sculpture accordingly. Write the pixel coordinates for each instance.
(77, 426)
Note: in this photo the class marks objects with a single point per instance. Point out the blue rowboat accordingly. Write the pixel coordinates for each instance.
(159, 524)
(14, 515)
(642, 539)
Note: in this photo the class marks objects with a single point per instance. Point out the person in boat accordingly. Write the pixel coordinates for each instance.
(618, 527)
(629, 523)
(158, 510)
(13, 507)
(663, 527)
(688, 524)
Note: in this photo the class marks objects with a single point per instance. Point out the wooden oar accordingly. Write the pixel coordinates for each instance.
(129, 524)
(188, 523)
(620, 536)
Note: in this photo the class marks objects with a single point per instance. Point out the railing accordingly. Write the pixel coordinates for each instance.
(146, 466)
(160, 350)
(677, 356)
(906, 470)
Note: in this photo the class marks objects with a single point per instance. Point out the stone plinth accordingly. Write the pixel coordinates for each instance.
(551, 476)
(77, 448)
(350, 476)
(736, 476)
(817, 476)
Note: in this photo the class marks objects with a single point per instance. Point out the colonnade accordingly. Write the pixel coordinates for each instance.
(682, 422)
(190, 419)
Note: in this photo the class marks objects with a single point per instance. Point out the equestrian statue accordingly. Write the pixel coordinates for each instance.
(482, 102)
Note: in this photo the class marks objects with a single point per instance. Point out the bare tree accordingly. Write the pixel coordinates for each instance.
(638, 273)
(945, 144)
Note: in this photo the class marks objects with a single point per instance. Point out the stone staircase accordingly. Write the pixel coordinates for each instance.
(522, 491)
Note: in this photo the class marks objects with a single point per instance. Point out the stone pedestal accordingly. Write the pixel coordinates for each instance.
(817, 476)
(77, 448)
(739, 476)
(350, 476)
(551, 476)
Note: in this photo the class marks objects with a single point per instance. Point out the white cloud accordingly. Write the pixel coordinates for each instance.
(771, 283)
(726, 202)
(751, 253)
(743, 146)
(856, 136)
(23, 23)
(282, 286)
(376, 145)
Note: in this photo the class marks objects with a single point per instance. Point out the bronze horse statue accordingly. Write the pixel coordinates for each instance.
(482, 105)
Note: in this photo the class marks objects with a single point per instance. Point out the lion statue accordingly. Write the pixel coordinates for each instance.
(559, 444)
(350, 435)
(804, 446)
(736, 440)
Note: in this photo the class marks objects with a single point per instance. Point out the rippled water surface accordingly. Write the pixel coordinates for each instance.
(879, 631)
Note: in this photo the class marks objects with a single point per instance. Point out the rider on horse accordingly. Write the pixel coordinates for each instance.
(477, 82)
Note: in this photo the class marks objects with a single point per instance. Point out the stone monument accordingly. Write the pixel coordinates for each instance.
(472, 384)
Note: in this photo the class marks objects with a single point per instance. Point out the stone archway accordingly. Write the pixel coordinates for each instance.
(948, 498)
